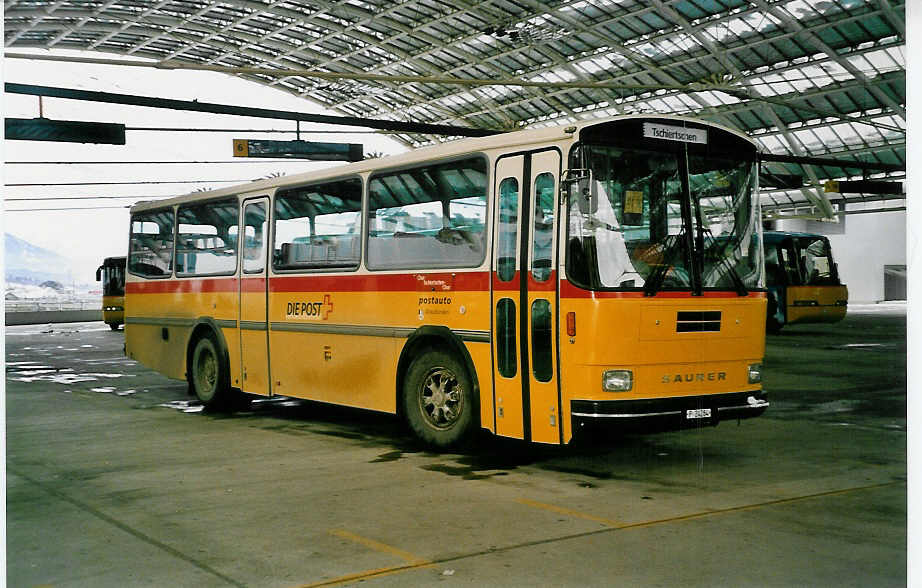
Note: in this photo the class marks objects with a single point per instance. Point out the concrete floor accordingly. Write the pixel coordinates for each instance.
(114, 478)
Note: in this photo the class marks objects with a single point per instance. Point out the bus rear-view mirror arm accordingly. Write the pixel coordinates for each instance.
(577, 186)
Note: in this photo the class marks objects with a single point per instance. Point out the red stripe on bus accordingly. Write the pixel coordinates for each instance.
(253, 285)
(512, 285)
(182, 286)
(414, 282)
(548, 285)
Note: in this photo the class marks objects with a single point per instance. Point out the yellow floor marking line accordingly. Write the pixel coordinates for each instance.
(413, 562)
(416, 563)
(365, 575)
(569, 512)
(706, 513)
(378, 546)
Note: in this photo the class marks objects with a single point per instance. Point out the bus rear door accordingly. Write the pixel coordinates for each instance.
(524, 297)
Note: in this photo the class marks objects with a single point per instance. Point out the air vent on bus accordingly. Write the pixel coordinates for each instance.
(697, 321)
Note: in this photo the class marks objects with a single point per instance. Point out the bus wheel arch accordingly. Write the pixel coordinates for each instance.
(436, 373)
(208, 365)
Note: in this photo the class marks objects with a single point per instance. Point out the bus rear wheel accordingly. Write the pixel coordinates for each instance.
(438, 399)
(209, 375)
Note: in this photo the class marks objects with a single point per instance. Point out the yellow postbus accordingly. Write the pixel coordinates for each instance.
(802, 280)
(531, 284)
(112, 275)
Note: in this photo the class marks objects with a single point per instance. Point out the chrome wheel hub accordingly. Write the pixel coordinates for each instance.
(442, 398)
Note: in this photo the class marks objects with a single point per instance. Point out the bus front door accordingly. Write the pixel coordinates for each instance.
(524, 290)
(254, 327)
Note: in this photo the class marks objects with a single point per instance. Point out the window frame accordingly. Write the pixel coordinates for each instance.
(252, 201)
(131, 219)
(232, 272)
(533, 229)
(498, 243)
(366, 233)
(273, 218)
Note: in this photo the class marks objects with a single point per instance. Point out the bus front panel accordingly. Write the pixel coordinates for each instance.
(816, 304)
(681, 354)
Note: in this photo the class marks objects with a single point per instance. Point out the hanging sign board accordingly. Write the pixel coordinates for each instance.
(671, 133)
(68, 131)
(298, 150)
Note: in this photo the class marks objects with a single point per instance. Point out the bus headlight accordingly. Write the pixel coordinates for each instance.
(755, 373)
(617, 380)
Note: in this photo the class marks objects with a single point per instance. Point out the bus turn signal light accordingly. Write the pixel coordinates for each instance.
(571, 324)
(755, 373)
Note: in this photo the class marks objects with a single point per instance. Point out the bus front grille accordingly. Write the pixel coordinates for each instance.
(697, 321)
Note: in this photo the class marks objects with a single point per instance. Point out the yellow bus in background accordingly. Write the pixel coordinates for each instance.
(533, 284)
(112, 275)
(802, 279)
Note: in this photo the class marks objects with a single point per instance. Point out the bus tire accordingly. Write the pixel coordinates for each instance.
(438, 399)
(208, 374)
(114, 326)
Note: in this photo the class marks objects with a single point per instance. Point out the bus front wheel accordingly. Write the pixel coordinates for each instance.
(438, 399)
(209, 376)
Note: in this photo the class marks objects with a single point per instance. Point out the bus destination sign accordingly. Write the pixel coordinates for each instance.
(670, 133)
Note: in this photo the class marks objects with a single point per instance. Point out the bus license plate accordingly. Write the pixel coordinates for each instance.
(698, 413)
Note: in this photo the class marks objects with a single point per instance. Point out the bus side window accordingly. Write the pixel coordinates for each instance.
(790, 264)
(205, 245)
(254, 226)
(151, 244)
(317, 226)
(543, 237)
(773, 270)
(429, 216)
(507, 232)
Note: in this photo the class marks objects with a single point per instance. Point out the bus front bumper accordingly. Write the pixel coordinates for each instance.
(667, 413)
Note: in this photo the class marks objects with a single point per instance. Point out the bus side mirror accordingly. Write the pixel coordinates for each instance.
(580, 188)
(99, 273)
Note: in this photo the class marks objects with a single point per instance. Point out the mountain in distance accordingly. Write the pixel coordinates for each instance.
(29, 264)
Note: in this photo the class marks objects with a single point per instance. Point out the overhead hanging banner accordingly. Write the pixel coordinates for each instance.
(68, 131)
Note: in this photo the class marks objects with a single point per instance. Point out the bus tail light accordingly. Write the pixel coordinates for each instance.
(617, 380)
(571, 324)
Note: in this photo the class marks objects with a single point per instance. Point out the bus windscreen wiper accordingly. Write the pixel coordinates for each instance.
(655, 280)
(741, 289)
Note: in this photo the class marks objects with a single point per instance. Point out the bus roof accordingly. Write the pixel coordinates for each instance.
(522, 139)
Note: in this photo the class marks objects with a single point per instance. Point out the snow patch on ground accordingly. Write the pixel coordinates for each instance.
(184, 405)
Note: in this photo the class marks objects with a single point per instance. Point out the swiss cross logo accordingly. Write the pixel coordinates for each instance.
(327, 307)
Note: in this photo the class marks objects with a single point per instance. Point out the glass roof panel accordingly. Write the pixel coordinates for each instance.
(795, 66)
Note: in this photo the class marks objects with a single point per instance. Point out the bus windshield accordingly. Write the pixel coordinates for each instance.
(808, 261)
(664, 220)
(113, 282)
